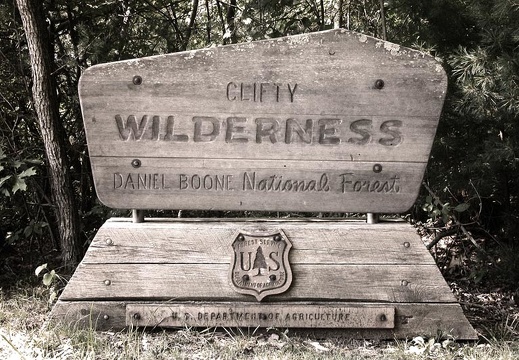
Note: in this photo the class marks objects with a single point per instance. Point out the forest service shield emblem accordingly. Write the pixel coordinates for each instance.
(260, 264)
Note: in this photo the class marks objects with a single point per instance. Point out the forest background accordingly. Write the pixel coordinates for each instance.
(48, 205)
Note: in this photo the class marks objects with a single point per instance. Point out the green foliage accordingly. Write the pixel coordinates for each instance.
(435, 209)
(14, 173)
(476, 40)
(52, 281)
(477, 140)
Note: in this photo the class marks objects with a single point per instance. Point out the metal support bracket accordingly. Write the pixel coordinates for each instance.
(372, 218)
(137, 215)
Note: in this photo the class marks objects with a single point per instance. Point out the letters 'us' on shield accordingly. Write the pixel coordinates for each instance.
(260, 264)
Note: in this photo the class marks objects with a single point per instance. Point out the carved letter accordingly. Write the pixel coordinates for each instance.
(304, 134)
(208, 182)
(292, 92)
(241, 261)
(207, 137)
(229, 91)
(271, 257)
(142, 181)
(327, 134)
(155, 181)
(361, 127)
(262, 90)
(118, 180)
(323, 183)
(130, 130)
(232, 129)
(183, 182)
(164, 182)
(249, 182)
(270, 131)
(196, 182)
(277, 91)
(391, 127)
(129, 182)
(155, 128)
(242, 93)
(345, 184)
(170, 132)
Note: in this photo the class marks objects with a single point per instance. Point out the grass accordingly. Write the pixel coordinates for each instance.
(24, 308)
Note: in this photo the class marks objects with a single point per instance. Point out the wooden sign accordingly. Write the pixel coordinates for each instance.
(253, 315)
(329, 121)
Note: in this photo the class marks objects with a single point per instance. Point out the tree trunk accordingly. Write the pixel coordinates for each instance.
(45, 104)
(383, 20)
(231, 21)
(191, 25)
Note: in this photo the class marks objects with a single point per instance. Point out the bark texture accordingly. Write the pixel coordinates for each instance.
(46, 108)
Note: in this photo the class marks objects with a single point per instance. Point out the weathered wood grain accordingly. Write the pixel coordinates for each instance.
(228, 184)
(205, 282)
(411, 319)
(296, 108)
(338, 263)
(209, 241)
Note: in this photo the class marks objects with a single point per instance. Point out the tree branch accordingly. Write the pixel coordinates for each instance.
(463, 229)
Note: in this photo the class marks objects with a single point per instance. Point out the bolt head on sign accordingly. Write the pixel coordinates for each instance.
(330, 121)
(260, 265)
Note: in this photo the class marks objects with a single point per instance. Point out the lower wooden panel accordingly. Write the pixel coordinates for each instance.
(381, 274)
(190, 260)
(410, 319)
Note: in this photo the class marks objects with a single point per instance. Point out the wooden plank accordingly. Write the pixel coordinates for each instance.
(299, 107)
(317, 242)
(411, 319)
(340, 139)
(99, 315)
(254, 315)
(210, 282)
(235, 184)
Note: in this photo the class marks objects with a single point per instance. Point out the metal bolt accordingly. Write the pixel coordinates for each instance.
(379, 84)
(245, 278)
(272, 277)
(137, 316)
(136, 163)
(241, 237)
(108, 282)
(382, 317)
(277, 238)
(407, 244)
(377, 168)
(404, 282)
(106, 317)
(109, 241)
(137, 80)
(331, 52)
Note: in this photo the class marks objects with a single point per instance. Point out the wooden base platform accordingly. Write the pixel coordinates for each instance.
(365, 280)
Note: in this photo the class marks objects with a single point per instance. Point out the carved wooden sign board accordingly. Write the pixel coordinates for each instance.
(330, 121)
